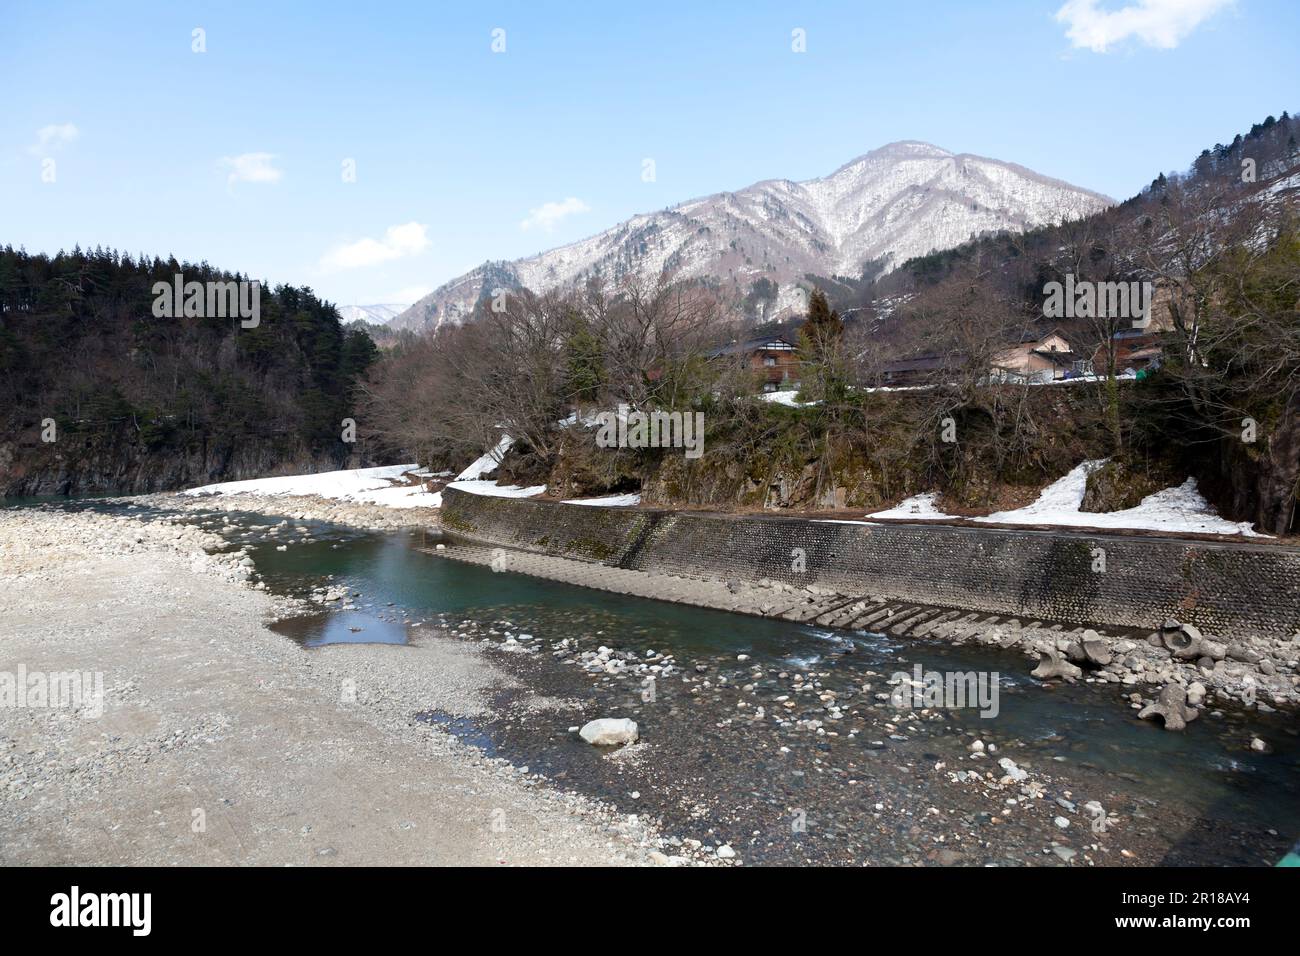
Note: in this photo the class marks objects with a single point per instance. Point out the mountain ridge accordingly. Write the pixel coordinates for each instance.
(873, 212)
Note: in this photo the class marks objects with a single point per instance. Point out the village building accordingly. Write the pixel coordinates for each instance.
(774, 359)
(1136, 350)
(1039, 356)
(917, 370)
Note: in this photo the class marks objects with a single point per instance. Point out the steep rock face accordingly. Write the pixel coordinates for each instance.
(75, 467)
(899, 201)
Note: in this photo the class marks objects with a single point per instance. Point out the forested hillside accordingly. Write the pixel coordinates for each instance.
(1220, 244)
(141, 403)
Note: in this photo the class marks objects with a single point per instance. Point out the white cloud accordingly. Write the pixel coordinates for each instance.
(548, 214)
(399, 241)
(1159, 23)
(52, 137)
(250, 168)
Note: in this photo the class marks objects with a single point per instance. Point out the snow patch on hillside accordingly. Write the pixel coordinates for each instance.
(374, 314)
(487, 463)
(1180, 510)
(918, 507)
(492, 490)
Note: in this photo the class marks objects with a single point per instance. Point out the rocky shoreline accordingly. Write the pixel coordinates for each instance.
(1260, 672)
(829, 733)
(208, 715)
(818, 763)
(297, 507)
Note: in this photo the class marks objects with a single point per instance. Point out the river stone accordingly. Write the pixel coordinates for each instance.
(609, 731)
(1182, 640)
(1017, 774)
(1171, 707)
(1054, 664)
(1239, 652)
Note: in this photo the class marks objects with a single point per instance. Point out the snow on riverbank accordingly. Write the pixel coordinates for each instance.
(372, 486)
(493, 490)
(1180, 510)
(610, 501)
(918, 507)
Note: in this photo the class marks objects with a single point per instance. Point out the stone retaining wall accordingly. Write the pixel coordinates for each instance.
(1228, 589)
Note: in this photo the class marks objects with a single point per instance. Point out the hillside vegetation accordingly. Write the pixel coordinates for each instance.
(142, 403)
(1219, 244)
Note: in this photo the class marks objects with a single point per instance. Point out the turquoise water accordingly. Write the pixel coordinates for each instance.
(1208, 768)
(1087, 724)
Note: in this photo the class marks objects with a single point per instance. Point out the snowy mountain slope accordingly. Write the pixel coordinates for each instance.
(374, 314)
(899, 201)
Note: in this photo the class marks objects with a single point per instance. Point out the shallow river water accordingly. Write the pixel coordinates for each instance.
(866, 788)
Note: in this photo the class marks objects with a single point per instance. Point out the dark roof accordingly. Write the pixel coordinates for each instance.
(773, 342)
(1058, 357)
(920, 363)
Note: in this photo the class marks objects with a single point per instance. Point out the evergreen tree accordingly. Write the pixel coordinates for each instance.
(821, 350)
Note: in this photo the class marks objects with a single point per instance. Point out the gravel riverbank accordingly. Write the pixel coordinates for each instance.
(219, 742)
(299, 507)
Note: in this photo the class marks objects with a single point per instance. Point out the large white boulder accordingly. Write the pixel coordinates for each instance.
(609, 731)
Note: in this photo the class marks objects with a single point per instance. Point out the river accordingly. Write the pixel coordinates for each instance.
(863, 788)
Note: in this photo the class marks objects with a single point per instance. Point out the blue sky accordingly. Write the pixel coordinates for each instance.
(235, 155)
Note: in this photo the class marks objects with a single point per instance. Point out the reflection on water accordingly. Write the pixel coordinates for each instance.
(341, 627)
(464, 729)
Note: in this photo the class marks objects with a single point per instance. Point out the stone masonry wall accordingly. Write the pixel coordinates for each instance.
(1228, 589)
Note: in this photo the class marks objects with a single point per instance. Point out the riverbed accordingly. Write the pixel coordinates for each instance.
(875, 785)
(778, 741)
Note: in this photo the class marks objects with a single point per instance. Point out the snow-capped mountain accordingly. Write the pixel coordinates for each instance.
(896, 202)
(374, 314)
